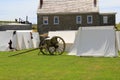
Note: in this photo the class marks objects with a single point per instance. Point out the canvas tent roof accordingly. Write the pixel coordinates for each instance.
(95, 41)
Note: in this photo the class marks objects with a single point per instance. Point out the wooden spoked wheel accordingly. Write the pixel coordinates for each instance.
(53, 46)
(43, 48)
(57, 47)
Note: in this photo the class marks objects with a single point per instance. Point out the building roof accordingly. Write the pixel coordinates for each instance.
(68, 6)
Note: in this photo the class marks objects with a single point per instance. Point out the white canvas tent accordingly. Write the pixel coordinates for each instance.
(68, 36)
(28, 39)
(118, 39)
(15, 41)
(95, 41)
(36, 39)
(4, 40)
(20, 40)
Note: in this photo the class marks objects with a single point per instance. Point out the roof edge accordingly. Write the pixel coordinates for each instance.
(108, 13)
(67, 13)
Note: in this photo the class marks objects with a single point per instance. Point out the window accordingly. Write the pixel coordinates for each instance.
(56, 19)
(45, 20)
(105, 19)
(89, 19)
(78, 20)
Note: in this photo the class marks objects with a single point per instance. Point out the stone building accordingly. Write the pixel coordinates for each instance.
(55, 15)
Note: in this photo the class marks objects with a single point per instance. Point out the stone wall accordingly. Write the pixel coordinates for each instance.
(16, 27)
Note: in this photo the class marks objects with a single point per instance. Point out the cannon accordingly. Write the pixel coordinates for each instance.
(49, 46)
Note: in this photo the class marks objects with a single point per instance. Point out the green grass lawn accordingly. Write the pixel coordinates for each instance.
(30, 66)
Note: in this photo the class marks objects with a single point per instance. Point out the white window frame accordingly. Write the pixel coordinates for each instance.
(105, 19)
(56, 17)
(77, 21)
(89, 22)
(45, 18)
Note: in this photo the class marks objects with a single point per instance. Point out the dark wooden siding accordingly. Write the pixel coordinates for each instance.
(68, 21)
(111, 19)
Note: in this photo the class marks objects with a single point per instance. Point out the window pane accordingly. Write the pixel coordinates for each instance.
(78, 19)
(89, 19)
(56, 20)
(45, 20)
(105, 19)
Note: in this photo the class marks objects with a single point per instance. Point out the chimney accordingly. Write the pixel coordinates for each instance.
(95, 3)
(41, 3)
